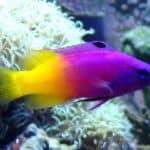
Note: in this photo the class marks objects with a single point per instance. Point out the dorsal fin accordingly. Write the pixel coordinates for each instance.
(34, 58)
(85, 47)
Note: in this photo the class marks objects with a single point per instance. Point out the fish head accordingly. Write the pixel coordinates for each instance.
(127, 73)
(143, 75)
(141, 71)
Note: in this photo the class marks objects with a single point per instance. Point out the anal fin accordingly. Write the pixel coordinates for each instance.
(98, 101)
(97, 104)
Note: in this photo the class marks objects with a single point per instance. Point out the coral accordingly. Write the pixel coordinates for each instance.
(143, 147)
(125, 15)
(139, 9)
(17, 144)
(137, 42)
(76, 128)
(114, 143)
(76, 124)
(35, 138)
(141, 123)
(25, 25)
(147, 96)
(125, 7)
(145, 17)
(84, 7)
(14, 118)
(35, 24)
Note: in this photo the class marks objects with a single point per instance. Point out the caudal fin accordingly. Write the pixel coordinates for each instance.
(9, 87)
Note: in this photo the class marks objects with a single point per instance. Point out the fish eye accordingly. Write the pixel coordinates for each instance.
(143, 73)
(99, 44)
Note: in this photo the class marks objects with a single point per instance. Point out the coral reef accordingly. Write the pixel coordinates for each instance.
(141, 123)
(84, 7)
(34, 138)
(147, 96)
(25, 25)
(35, 24)
(143, 147)
(73, 127)
(137, 42)
(125, 15)
(14, 118)
(75, 124)
(139, 9)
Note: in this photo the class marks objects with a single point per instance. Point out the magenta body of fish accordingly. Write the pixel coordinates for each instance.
(96, 70)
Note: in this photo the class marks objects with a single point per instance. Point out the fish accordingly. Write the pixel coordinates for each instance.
(91, 71)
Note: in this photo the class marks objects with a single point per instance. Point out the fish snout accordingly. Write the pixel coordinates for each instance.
(144, 76)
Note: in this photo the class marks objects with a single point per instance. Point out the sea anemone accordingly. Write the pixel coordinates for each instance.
(76, 123)
(35, 24)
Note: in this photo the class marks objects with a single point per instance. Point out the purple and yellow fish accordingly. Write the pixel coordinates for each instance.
(92, 71)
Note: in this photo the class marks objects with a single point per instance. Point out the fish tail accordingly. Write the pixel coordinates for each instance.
(9, 85)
